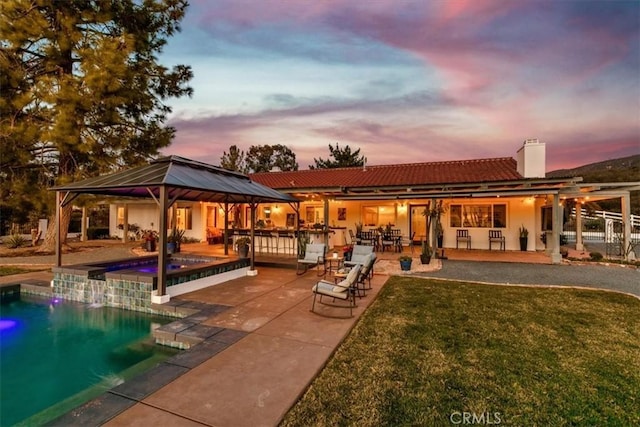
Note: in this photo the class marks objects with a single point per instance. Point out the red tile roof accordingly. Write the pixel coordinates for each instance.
(450, 172)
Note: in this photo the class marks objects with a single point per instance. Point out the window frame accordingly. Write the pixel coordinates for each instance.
(487, 211)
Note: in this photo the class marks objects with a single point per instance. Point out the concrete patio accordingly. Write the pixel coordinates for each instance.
(278, 347)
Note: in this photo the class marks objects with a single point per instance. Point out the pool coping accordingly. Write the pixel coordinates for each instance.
(204, 343)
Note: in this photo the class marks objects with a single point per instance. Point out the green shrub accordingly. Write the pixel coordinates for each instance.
(15, 241)
(595, 256)
(95, 233)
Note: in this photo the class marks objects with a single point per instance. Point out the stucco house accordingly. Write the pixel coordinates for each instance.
(477, 195)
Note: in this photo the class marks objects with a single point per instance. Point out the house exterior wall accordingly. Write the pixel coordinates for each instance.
(343, 216)
(146, 216)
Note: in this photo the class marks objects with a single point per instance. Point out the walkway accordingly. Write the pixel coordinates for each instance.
(282, 346)
(613, 277)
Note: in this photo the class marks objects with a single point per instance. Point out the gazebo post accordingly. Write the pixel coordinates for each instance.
(57, 230)
(161, 295)
(125, 225)
(225, 236)
(252, 271)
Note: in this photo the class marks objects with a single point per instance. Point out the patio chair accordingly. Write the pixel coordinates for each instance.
(369, 238)
(496, 236)
(366, 273)
(463, 236)
(313, 256)
(358, 255)
(389, 240)
(406, 241)
(344, 290)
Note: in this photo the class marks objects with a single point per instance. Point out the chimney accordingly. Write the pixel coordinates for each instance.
(531, 159)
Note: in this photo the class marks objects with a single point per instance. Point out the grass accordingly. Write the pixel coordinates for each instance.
(426, 351)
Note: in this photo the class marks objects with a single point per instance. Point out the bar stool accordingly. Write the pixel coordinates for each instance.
(289, 241)
(275, 236)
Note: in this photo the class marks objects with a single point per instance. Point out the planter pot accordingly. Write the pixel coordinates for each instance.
(171, 248)
(243, 251)
(151, 245)
(405, 265)
(425, 259)
(523, 243)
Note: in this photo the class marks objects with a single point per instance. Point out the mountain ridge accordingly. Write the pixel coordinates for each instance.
(624, 169)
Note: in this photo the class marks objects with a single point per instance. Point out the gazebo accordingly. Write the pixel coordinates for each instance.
(167, 180)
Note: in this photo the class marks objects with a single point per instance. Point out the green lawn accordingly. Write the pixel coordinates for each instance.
(426, 352)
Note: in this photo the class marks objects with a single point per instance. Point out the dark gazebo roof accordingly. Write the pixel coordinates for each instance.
(184, 179)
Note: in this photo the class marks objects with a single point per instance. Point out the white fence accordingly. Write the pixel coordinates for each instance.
(615, 216)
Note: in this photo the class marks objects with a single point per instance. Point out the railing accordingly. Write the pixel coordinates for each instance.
(615, 216)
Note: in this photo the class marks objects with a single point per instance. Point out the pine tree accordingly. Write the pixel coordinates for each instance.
(263, 158)
(235, 160)
(82, 91)
(342, 158)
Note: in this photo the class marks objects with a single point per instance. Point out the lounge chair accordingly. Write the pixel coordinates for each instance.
(366, 273)
(358, 255)
(344, 290)
(313, 256)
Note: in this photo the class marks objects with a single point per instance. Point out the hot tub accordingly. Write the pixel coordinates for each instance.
(129, 283)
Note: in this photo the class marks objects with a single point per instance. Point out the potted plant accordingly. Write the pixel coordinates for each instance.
(242, 245)
(524, 237)
(347, 251)
(405, 262)
(425, 253)
(174, 239)
(439, 233)
(150, 241)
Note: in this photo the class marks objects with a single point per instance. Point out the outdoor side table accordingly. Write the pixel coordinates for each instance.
(335, 264)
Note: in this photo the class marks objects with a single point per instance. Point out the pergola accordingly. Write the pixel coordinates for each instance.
(167, 180)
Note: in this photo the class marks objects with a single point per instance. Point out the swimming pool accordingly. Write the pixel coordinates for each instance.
(58, 354)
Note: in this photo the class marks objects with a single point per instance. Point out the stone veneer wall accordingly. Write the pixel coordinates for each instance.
(126, 289)
(120, 293)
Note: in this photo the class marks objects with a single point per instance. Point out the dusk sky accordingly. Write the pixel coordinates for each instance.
(410, 81)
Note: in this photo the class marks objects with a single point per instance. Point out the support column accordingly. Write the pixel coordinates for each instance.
(579, 244)
(125, 223)
(252, 271)
(57, 229)
(326, 223)
(627, 250)
(84, 225)
(556, 258)
(225, 236)
(161, 296)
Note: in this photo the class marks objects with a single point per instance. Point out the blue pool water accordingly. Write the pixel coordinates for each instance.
(55, 355)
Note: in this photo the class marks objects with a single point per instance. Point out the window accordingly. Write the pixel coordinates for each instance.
(183, 218)
(478, 216)
(547, 218)
(375, 216)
